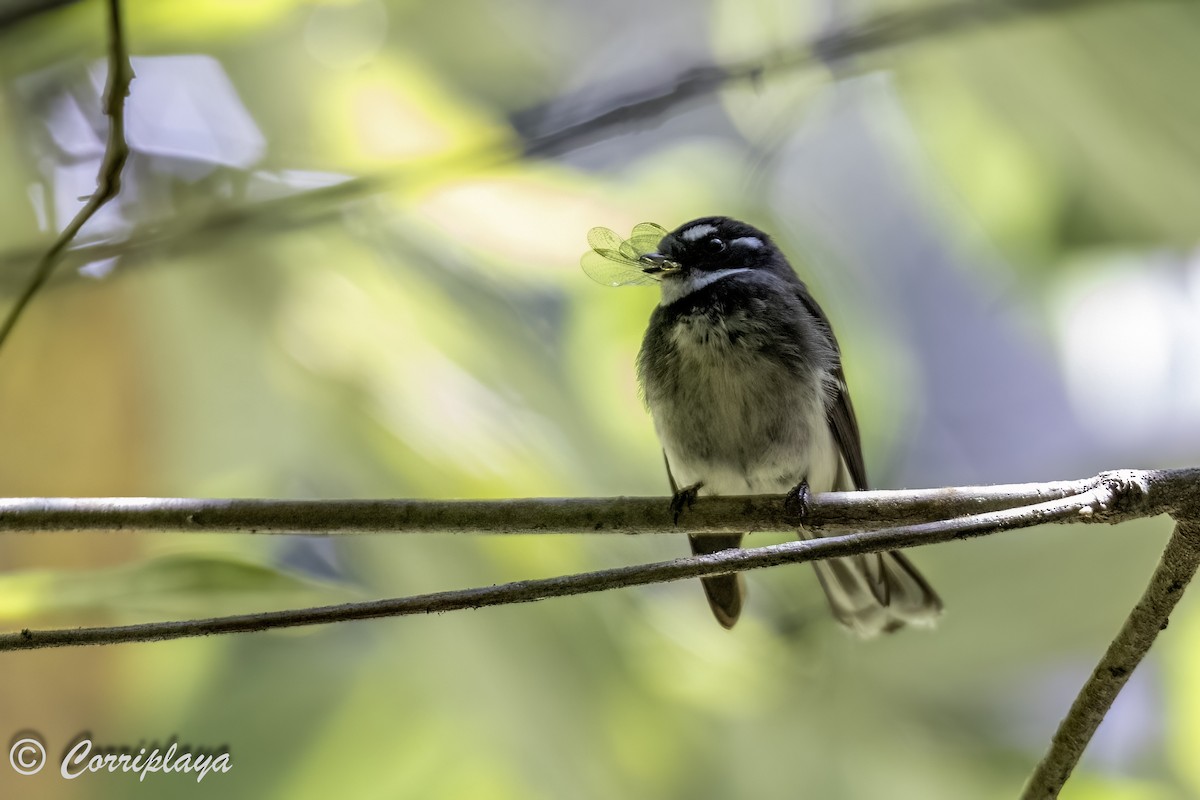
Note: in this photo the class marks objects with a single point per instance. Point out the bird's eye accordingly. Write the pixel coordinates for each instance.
(715, 245)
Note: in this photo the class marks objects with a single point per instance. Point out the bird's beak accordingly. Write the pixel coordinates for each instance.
(658, 265)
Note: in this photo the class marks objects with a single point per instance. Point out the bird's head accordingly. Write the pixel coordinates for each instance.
(704, 249)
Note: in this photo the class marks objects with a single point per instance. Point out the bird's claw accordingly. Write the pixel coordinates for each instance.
(684, 498)
(798, 501)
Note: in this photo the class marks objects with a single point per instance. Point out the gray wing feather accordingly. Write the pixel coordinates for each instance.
(840, 412)
(895, 593)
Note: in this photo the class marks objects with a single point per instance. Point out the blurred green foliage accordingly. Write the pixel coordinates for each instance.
(435, 338)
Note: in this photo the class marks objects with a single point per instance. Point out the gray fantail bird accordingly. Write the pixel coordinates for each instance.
(743, 378)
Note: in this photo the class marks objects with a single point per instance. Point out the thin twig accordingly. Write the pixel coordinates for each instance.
(1146, 493)
(1090, 503)
(1175, 570)
(108, 181)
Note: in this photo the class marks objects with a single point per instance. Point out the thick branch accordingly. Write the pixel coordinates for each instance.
(1137, 493)
(108, 181)
(1090, 503)
(1175, 570)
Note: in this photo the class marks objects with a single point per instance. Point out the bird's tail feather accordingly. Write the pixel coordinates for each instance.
(878, 593)
(726, 593)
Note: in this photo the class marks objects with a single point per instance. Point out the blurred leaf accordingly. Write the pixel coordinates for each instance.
(1183, 687)
(394, 110)
(520, 225)
(1083, 786)
(1103, 104)
(193, 584)
(202, 20)
(1013, 191)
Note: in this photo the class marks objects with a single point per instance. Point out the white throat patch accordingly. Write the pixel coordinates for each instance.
(677, 288)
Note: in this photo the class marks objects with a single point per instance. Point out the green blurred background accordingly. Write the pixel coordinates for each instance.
(331, 273)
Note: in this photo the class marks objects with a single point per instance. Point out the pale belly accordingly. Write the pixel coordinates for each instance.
(814, 459)
(742, 425)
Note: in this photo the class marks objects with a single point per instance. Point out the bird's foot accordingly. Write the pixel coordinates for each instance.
(684, 498)
(798, 501)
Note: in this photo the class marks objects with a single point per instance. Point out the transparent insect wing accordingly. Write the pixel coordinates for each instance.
(609, 272)
(646, 238)
(612, 261)
(605, 242)
(629, 253)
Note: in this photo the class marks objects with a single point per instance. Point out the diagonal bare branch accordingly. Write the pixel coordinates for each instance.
(1174, 572)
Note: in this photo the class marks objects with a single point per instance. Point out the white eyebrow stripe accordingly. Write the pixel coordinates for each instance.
(697, 232)
(753, 242)
(676, 288)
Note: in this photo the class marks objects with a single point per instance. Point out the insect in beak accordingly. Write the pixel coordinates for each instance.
(657, 264)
